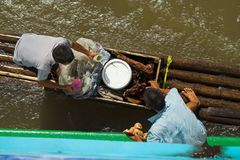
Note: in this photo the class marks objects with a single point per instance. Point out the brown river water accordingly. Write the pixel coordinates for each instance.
(207, 30)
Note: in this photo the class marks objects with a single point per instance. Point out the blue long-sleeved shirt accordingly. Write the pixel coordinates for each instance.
(176, 123)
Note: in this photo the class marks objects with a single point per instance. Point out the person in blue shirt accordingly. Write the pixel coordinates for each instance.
(175, 121)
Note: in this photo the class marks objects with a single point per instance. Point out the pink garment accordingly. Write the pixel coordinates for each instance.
(76, 84)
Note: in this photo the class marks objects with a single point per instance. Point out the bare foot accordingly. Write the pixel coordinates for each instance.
(190, 95)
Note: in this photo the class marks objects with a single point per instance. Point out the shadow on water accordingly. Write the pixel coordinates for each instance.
(62, 112)
(24, 105)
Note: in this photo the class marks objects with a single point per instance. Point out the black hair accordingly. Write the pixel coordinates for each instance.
(154, 99)
(63, 54)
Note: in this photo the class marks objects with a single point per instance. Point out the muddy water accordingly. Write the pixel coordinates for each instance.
(196, 29)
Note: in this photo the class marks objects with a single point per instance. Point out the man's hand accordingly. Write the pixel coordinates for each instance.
(92, 54)
(78, 47)
(194, 102)
(190, 95)
(154, 84)
(135, 133)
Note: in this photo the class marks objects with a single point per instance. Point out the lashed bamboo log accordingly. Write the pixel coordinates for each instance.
(204, 66)
(214, 80)
(205, 102)
(16, 70)
(20, 76)
(224, 112)
(218, 103)
(222, 93)
(6, 58)
(6, 48)
(203, 114)
(8, 38)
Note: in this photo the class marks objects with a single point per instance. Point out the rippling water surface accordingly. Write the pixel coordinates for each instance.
(197, 29)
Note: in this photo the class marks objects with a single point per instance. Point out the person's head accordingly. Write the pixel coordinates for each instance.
(154, 99)
(63, 54)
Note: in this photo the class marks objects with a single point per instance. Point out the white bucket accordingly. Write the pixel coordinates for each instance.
(116, 74)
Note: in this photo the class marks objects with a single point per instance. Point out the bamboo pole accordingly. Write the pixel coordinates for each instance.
(138, 54)
(204, 66)
(6, 48)
(6, 58)
(218, 103)
(203, 114)
(214, 80)
(222, 93)
(224, 112)
(20, 76)
(16, 70)
(20, 80)
(25, 77)
(8, 38)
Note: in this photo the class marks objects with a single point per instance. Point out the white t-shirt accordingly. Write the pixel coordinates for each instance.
(35, 51)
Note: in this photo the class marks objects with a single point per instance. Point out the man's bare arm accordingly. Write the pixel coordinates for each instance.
(53, 85)
(154, 84)
(76, 46)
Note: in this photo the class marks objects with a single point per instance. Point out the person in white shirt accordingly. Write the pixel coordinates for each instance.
(42, 52)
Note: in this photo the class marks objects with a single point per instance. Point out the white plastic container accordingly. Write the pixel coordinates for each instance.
(116, 74)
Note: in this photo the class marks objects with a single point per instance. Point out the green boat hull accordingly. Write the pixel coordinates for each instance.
(107, 136)
(54, 144)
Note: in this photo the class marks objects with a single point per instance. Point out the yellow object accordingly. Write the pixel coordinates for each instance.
(169, 61)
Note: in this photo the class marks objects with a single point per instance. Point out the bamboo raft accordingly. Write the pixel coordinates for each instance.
(217, 86)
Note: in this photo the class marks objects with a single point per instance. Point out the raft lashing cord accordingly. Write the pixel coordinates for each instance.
(169, 61)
